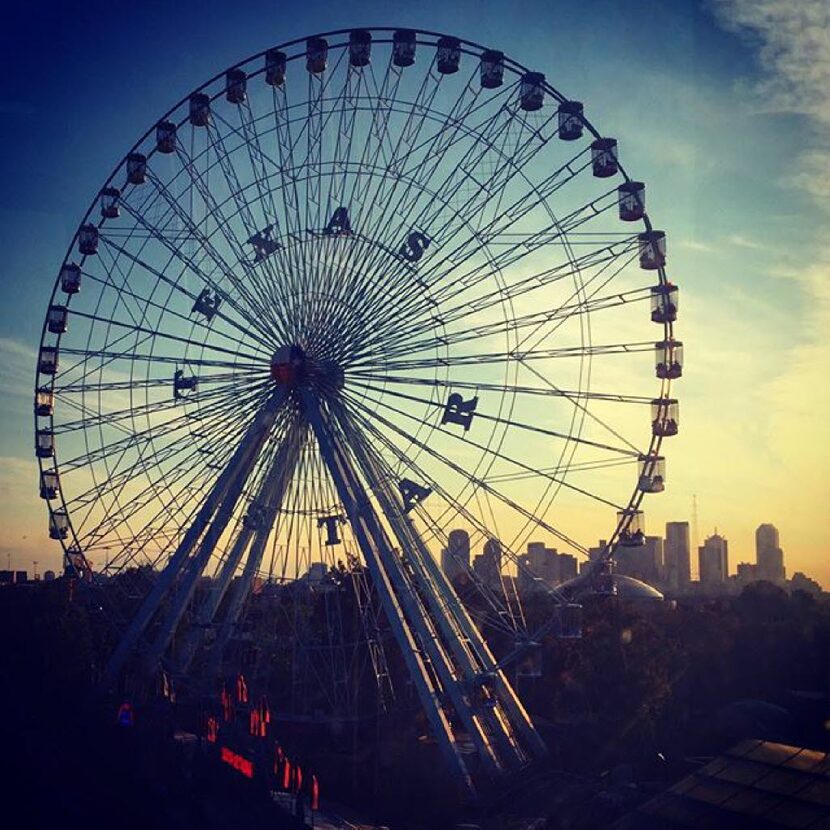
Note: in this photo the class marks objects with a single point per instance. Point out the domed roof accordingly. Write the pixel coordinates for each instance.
(630, 588)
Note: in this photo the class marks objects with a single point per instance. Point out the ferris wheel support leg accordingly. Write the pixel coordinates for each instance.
(252, 444)
(372, 541)
(468, 642)
(165, 580)
(461, 689)
(274, 490)
(207, 610)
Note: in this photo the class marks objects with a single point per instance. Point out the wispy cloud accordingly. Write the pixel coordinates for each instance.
(794, 58)
(17, 368)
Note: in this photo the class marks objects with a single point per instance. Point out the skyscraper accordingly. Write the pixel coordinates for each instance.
(713, 561)
(768, 553)
(678, 557)
(488, 564)
(455, 557)
(642, 562)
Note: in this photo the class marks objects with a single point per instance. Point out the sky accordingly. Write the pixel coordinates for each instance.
(725, 105)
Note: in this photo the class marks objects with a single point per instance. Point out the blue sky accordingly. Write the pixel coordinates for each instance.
(721, 107)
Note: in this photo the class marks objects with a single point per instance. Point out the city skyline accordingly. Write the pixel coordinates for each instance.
(753, 442)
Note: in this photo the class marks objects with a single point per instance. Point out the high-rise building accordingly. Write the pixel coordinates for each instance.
(643, 562)
(488, 565)
(677, 556)
(713, 561)
(455, 557)
(546, 564)
(568, 567)
(595, 553)
(768, 554)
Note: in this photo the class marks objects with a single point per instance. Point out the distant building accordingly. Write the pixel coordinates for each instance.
(548, 566)
(802, 582)
(568, 567)
(6, 577)
(48, 576)
(713, 561)
(747, 573)
(487, 565)
(595, 553)
(20, 577)
(643, 562)
(455, 558)
(677, 557)
(768, 554)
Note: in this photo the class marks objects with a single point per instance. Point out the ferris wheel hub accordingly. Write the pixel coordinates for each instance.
(291, 366)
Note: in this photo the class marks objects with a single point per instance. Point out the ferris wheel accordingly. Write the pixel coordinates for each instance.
(349, 297)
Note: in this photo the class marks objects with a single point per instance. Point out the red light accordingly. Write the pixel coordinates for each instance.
(212, 729)
(315, 793)
(238, 762)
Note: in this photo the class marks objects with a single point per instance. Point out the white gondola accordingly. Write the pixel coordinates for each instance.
(47, 363)
(88, 240)
(449, 55)
(45, 443)
(317, 55)
(652, 250)
(275, 66)
(492, 69)
(604, 157)
(166, 137)
(236, 83)
(403, 48)
(665, 301)
(665, 417)
(136, 168)
(56, 319)
(199, 109)
(109, 203)
(44, 402)
(634, 533)
(532, 91)
(668, 359)
(58, 525)
(70, 278)
(49, 484)
(360, 47)
(570, 120)
(652, 474)
(631, 198)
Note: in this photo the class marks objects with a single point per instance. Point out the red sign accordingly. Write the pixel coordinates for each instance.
(238, 762)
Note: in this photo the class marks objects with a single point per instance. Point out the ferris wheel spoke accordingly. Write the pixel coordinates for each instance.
(248, 312)
(246, 330)
(518, 354)
(149, 304)
(467, 281)
(119, 445)
(268, 285)
(474, 481)
(376, 383)
(194, 462)
(171, 507)
(92, 418)
(491, 185)
(608, 263)
(167, 336)
(497, 454)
